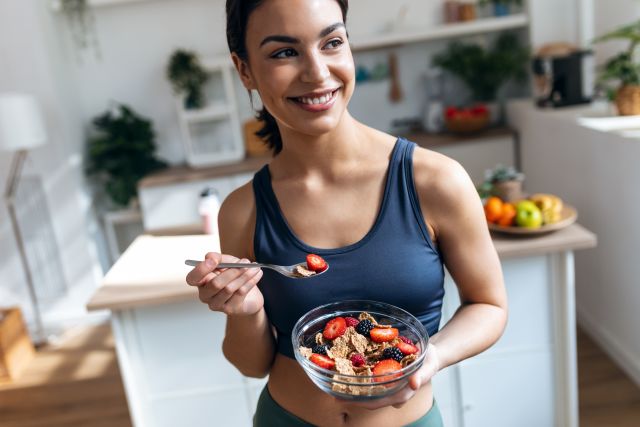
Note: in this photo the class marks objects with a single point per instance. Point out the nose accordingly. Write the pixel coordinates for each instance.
(315, 68)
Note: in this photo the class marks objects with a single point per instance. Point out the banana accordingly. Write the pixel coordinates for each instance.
(550, 205)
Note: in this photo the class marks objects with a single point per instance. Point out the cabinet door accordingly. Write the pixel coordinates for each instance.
(176, 205)
(509, 390)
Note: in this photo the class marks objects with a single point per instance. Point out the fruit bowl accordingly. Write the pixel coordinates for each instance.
(358, 387)
(567, 217)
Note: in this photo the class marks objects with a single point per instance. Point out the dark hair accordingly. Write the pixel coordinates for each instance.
(238, 12)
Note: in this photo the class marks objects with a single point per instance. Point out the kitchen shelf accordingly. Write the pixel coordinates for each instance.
(484, 25)
(57, 4)
(212, 112)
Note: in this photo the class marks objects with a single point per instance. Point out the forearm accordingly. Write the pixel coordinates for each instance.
(473, 329)
(249, 344)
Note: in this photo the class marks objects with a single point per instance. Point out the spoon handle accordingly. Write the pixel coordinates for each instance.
(193, 263)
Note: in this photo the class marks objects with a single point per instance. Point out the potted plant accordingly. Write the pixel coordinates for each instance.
(504, 182)
(187, 76)
(501, 7)
(81, 24)
(122, 152)
(620, 76)
(485, 71)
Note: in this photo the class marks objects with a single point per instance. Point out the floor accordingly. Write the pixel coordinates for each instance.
(76, 382)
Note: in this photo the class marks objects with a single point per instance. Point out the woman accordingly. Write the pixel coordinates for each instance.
(362, 199)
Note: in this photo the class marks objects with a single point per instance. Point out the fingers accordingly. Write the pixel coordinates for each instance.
(219, 282)
(397, 400)
(201, 273)
(233, 286)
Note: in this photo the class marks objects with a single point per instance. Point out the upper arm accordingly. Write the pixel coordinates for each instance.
(236, 222)
(455, 213)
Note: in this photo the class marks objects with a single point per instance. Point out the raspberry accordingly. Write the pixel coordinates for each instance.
(320, 349)
(405, 339)
(352, 321)
(364, 327)
(358, 360)
(392, 353)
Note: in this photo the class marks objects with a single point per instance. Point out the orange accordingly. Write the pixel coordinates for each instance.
(493, 208)
(508, 215)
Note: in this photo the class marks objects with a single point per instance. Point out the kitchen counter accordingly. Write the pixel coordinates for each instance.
(169, 343)
(151, 270)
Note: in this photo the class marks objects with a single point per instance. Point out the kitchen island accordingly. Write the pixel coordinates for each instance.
(169, 344)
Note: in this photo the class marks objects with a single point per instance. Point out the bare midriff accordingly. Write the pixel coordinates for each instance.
(292, 389)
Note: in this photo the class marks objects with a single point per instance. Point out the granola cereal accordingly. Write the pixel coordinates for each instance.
(352, 354)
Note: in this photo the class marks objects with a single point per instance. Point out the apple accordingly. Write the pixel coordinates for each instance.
(528, 215)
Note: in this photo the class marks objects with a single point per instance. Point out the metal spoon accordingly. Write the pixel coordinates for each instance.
(285, 270)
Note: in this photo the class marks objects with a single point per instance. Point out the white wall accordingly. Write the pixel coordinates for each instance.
(609, 15)
(30, 61)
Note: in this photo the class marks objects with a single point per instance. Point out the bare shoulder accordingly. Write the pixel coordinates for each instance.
(447, 194)
(440, 177)
(236, 222)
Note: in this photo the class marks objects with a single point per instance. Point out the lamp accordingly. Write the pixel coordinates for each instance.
(21, 129)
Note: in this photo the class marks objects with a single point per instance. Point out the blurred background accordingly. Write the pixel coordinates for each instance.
(123, 126)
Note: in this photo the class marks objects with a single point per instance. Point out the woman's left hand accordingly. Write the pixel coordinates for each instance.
(430, 367)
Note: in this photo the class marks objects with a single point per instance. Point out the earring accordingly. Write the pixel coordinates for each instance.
(258, 108)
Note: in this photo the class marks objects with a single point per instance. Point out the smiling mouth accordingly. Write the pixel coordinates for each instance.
(321, 100)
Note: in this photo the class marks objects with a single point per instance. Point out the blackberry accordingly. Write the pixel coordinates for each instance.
(364, 327)
(320, 349)
(392, 353)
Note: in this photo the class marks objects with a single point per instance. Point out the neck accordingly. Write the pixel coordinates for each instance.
(327, 154)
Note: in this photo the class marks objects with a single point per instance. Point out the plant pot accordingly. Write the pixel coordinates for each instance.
(628, 100)
(508, 191)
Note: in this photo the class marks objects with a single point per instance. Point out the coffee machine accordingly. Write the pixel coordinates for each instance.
(563, 75)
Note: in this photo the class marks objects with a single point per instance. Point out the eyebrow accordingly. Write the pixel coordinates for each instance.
(288, 39)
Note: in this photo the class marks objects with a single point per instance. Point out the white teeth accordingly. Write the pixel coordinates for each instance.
(313, 101)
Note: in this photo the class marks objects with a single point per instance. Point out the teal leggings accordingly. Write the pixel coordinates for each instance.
(269, 414)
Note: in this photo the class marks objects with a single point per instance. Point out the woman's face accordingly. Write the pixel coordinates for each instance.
(300, 63)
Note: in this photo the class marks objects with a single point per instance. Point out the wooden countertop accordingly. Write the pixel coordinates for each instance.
(151, 271)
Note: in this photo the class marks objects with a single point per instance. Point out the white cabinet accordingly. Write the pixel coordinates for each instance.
(508, 390)
(174, 369)
(170, 198)
(517, 382)
(175, 205)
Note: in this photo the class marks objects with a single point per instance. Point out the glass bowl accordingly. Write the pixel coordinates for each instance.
(358, 387)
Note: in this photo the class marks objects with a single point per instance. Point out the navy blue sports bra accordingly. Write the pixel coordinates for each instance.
(360, 270)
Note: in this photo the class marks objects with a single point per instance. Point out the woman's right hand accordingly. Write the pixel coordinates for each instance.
(232, 291)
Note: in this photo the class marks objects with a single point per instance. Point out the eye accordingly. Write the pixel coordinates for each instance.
(334, 43)
(284, 53)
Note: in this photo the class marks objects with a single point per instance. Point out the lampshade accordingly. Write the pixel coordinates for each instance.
(21, 122)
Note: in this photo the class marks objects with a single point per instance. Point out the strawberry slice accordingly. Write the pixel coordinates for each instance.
(386, 366)
(407, 348)
(334, 328)
(316, 263)
(383, 334)
(323, 361)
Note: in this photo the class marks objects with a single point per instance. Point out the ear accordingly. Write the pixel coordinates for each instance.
(242, 67)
